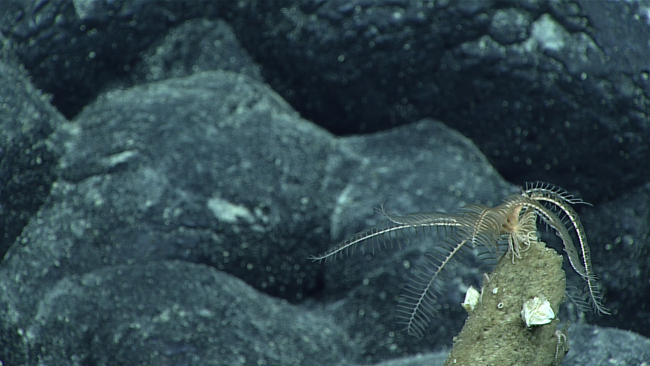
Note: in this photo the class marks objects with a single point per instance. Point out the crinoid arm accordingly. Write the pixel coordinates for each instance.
(559, 202)
(396, 231)
(422, 219)
(417, 305)
(542, 188)
(481, 225)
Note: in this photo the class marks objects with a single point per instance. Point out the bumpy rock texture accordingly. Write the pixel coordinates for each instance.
(166, 168)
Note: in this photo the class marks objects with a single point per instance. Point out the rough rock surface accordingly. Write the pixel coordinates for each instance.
(171, 222)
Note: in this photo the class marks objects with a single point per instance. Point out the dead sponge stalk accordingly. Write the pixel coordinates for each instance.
(495, 332)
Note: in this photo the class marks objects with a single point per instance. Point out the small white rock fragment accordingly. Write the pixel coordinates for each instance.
(537, 311)
(472, 297)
